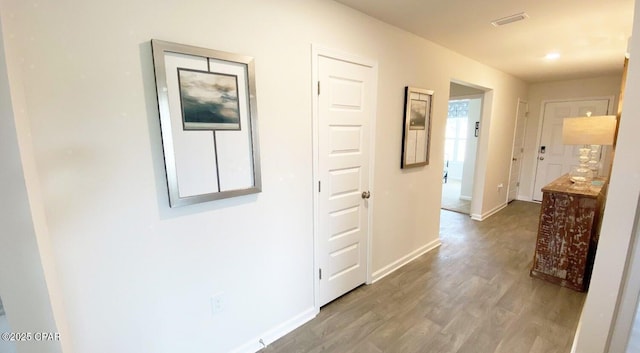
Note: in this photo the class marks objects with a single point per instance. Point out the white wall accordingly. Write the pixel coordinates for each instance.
(23, 288)
(458, 91)
(619, 217)
(494, 156)
(475, 110)
(604, 86)
(137, 276)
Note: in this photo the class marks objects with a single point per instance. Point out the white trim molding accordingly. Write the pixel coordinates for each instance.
(390, 268)
(482, 217)
(263, 340)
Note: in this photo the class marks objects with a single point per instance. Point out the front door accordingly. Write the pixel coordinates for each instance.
(555, 158)
(346, 106)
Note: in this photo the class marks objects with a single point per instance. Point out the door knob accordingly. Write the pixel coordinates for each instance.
(514, 159)
(541, 158)
(366, 194)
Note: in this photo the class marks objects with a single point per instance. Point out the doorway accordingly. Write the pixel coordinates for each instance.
(461, 143)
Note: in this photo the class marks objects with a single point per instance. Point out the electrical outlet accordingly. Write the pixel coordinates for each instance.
(217, 303)
(500, 186)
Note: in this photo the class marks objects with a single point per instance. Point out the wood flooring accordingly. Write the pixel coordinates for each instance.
(472, 294)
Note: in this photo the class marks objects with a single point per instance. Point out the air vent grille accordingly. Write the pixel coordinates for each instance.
(510, 19)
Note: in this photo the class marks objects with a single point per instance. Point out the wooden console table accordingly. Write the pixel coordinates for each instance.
(568, 233)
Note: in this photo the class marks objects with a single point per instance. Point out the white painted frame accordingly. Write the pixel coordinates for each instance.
(611, 99)
(316, 52)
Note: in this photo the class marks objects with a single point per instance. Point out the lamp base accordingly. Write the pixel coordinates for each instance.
(581, 177)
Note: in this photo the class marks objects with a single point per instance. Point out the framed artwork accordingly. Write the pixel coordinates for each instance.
(208, 120)
(417, 127)
(209, 100)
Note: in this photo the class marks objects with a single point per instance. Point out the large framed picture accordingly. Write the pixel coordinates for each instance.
(208, 120)
(417, 127)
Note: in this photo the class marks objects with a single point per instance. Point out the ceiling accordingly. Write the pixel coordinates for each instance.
(590, 35)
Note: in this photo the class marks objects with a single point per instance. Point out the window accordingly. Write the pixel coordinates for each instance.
(456, 134)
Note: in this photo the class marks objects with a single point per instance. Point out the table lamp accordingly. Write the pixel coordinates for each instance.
(590, 132)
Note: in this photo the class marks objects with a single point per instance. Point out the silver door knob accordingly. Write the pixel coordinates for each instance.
(366, 194)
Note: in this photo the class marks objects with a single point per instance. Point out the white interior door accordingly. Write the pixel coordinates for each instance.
(555, 158)
(346, 106)
(518, 150)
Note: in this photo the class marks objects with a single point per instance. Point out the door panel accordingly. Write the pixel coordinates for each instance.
(345, 107)
(557, 158)
(345, 139)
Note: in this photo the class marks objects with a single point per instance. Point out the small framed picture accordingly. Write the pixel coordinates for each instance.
(417, 127)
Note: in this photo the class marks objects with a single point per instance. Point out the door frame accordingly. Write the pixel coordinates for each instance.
(612, 101)
(524, 140)
(316, 52)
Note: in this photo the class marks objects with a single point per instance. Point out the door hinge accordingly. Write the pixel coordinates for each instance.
(320, 273)
(318, 87)
(521, 149)
(518, 183)
(319, 186)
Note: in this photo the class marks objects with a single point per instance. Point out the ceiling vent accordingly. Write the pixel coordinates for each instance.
(510, 19)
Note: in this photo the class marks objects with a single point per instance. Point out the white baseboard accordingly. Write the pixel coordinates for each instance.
(524, 198)
(528, 199)
(383, 272)
(272, 335)
(482, 217)
(575, 337)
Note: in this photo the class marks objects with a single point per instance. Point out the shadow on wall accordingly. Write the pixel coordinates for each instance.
(5, 346)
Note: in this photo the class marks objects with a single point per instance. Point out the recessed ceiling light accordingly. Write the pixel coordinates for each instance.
(510, 19)
(552, 56)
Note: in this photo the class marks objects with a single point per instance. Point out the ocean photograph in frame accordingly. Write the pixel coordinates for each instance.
(417, 127)
(418, 114)
(209, 100)
(208, 122)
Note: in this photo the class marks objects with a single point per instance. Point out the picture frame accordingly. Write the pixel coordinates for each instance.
(416, 131)
(208, 122)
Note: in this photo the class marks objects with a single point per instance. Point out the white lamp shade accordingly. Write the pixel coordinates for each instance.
(594, 130)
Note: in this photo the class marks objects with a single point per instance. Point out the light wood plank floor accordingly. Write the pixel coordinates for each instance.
(473, 294)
